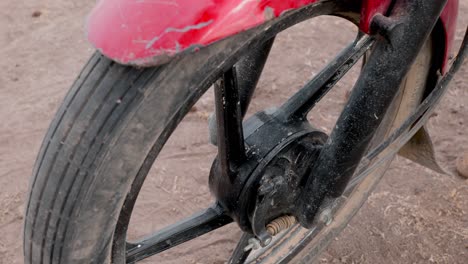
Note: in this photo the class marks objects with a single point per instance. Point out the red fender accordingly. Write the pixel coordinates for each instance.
(150, 32)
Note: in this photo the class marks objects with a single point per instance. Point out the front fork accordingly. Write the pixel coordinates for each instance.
(401, 37)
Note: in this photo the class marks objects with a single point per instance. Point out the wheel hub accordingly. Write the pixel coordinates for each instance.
(268, 184)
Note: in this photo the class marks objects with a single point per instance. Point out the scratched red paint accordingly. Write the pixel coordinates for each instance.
(369, 9)
(140, 31)
(131, 30)
(449, 21)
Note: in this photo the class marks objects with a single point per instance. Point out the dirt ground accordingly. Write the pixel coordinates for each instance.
(414, 216)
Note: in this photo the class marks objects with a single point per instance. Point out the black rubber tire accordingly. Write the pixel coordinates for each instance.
(78, 139)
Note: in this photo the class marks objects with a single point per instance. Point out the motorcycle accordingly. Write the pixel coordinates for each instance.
(290, 187)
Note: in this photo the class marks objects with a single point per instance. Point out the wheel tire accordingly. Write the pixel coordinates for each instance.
(75, 147)
(107, 132)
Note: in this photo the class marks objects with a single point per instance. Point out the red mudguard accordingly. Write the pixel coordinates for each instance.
(149, 32)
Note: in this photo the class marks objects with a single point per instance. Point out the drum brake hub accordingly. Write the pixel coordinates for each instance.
(268, 185)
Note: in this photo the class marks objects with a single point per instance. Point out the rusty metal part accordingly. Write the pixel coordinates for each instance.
(280, 224)
(273, 228)
(421, 150)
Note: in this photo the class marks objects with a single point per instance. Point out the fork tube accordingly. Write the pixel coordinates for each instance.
(402, 36)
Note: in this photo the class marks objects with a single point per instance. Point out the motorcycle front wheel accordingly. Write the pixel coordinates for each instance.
(114, 122)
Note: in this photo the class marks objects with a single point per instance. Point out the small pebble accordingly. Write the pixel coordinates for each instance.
(462, 165)
(20, 211)
(348, 94)
(36, 13)
(193, 109)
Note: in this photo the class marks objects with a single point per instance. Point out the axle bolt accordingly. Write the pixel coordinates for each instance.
(254, 244)
(266, 188)
(326, 217)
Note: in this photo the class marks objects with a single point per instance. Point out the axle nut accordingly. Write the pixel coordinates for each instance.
(326, 217)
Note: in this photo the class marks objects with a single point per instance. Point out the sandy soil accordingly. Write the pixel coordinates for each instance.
(414, 216)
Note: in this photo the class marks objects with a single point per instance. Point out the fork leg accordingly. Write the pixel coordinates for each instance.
(402, 37)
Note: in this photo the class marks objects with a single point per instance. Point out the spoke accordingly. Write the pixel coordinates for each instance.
(195, 226)
(231, 149)
(303, 101)
(248, 71)
(233, 93)
(240, 254)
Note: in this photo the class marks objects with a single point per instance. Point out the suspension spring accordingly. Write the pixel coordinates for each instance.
(280, 224)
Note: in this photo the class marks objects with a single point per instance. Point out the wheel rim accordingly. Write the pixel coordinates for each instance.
(119, 239)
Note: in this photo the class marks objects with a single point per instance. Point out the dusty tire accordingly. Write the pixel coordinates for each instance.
(75, 146)
(108, 131)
